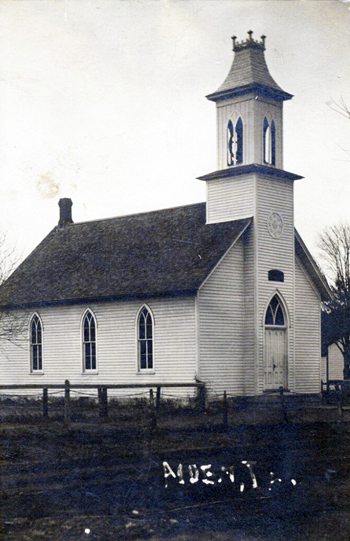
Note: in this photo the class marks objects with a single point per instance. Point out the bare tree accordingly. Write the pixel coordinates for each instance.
(8, 259)
(340, 107)
(11, 322)
(334, 243)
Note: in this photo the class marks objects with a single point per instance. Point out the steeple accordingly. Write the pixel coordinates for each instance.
(249, 73)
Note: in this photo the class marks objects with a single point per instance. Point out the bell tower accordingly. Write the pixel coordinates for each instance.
(249, 106)
(250, 182)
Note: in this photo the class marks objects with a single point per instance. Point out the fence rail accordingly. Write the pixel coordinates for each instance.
(97, 385)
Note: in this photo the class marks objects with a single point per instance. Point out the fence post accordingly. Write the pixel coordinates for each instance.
(225, 411)
(340, 403)
(67, 402)
(104, 403)
(158, 398)
(327, 393)
(152, 409)
(100, 406)
(45, 402)
(201, 398)
(283, 405)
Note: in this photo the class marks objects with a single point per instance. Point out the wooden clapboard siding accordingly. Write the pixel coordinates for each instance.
(336, 364)
(174, 344)
(220, 312)
(14, 356)
(307, 334)
(324, 368)
(230, 199)
(250, 342)
(274, 195)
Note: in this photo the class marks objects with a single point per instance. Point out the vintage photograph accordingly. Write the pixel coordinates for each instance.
(175, 270)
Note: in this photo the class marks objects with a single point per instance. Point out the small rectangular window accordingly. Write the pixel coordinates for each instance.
(276, 275)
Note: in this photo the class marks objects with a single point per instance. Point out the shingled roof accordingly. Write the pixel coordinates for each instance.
(167, 252)
(249, 73)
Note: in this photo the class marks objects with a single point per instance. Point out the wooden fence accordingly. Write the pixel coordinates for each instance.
(334, 385)
(337, 392)
(102, 393)
(338, 389)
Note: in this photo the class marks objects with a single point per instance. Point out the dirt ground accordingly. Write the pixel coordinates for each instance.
(261, 479)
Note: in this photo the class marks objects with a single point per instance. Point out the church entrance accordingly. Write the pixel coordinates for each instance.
(276, 352)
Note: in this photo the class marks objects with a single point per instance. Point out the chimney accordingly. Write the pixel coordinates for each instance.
(65, 205)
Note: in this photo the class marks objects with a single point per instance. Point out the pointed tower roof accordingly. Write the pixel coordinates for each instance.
(249, 73)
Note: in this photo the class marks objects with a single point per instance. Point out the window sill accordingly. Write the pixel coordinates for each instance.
(90, 373)
(145, 372)
(37, 373)
(276, 327)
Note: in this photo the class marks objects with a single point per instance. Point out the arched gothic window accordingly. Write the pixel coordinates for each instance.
(235, 142)
(89, 342)
(145, 339)
(274, 313)
(273, 143)
(269, 142)
(230, 138)
(36, 345)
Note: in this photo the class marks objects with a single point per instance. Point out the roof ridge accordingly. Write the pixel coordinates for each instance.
(137, 214)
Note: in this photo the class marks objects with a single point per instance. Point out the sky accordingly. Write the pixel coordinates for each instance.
(103, 101)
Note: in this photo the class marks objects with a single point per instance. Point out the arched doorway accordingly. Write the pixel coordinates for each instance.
(276, 351)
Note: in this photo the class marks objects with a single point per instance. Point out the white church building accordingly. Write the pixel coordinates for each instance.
(223, 292)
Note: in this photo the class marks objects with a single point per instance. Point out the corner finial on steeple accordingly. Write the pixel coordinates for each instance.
(233, 42)
(250, 42)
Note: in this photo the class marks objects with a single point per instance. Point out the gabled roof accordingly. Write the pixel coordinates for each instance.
(168, 252)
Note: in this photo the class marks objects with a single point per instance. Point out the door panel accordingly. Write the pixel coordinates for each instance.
(275, 358)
